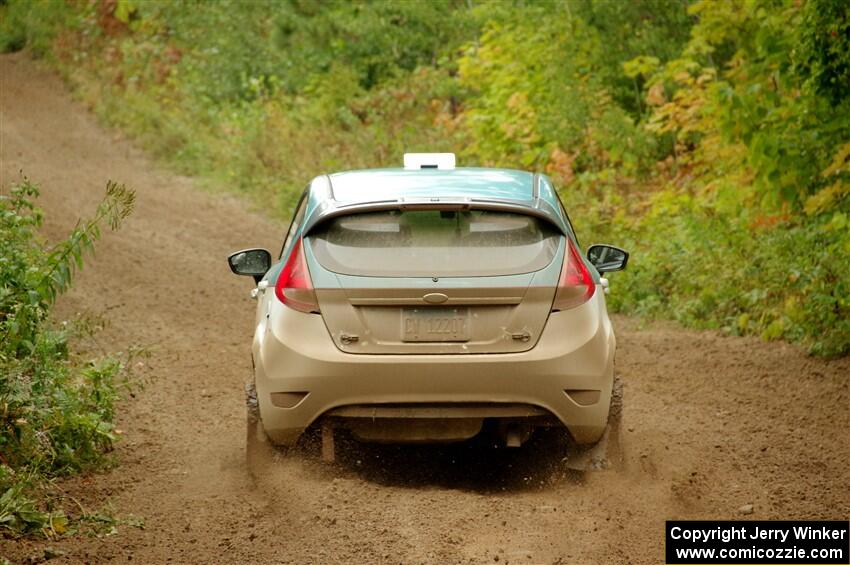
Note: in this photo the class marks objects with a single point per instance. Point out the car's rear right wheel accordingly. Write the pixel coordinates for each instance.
(607, 452)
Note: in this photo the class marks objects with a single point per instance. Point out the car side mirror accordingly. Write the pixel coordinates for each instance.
(251, 263)
(607, 258)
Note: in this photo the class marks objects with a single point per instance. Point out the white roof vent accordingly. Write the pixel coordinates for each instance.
(416, 161)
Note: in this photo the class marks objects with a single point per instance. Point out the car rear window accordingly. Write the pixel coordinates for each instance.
(434, 243)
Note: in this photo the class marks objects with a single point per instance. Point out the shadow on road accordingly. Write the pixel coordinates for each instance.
(477, 465)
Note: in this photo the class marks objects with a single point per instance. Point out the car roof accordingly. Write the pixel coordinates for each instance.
(366, 190)
(382, 184)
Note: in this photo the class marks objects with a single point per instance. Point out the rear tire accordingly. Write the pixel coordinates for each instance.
(259, 451)
(607, 453)
(615, 420)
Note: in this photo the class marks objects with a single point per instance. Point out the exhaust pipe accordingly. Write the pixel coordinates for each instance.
(513, 438)
(514, 434)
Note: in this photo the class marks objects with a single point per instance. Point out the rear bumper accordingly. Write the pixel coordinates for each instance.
(295, 354)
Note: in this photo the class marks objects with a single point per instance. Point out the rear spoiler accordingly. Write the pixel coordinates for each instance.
(538, 208)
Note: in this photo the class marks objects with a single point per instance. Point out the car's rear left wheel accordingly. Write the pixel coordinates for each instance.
(259, 451)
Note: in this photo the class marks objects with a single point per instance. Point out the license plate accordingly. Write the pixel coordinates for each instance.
(435, 324)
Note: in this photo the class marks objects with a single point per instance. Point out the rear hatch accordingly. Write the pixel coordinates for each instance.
(420, 281)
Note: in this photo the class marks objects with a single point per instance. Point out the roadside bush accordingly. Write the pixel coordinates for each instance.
(23, 25)
(787, 281)
(56, 410)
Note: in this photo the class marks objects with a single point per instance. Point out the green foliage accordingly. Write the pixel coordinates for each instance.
(749, 232)
(539, 88)
(784, 281)
(18, 512)
(22, 24)
(713, 137)
(653, 29)
(790, 131)
(55, 411)
(820, 55)
(31, 281)
(379, 41)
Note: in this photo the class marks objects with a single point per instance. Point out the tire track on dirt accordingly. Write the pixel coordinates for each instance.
(710, 423)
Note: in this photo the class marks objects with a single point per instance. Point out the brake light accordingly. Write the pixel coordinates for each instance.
(575, 286)
(294, 287)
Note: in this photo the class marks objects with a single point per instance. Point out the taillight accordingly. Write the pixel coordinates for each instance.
(293, 286)
(575, 286)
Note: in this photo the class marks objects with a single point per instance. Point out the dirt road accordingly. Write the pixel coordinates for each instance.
(711, 423)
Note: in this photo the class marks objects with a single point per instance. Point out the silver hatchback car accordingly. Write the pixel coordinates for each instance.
(418, 304)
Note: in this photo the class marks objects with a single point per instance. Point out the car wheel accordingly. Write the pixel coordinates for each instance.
(607, 453)
(259, 452)
(614, 449)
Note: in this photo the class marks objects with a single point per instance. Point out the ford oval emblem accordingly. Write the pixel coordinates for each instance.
(435, 298)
